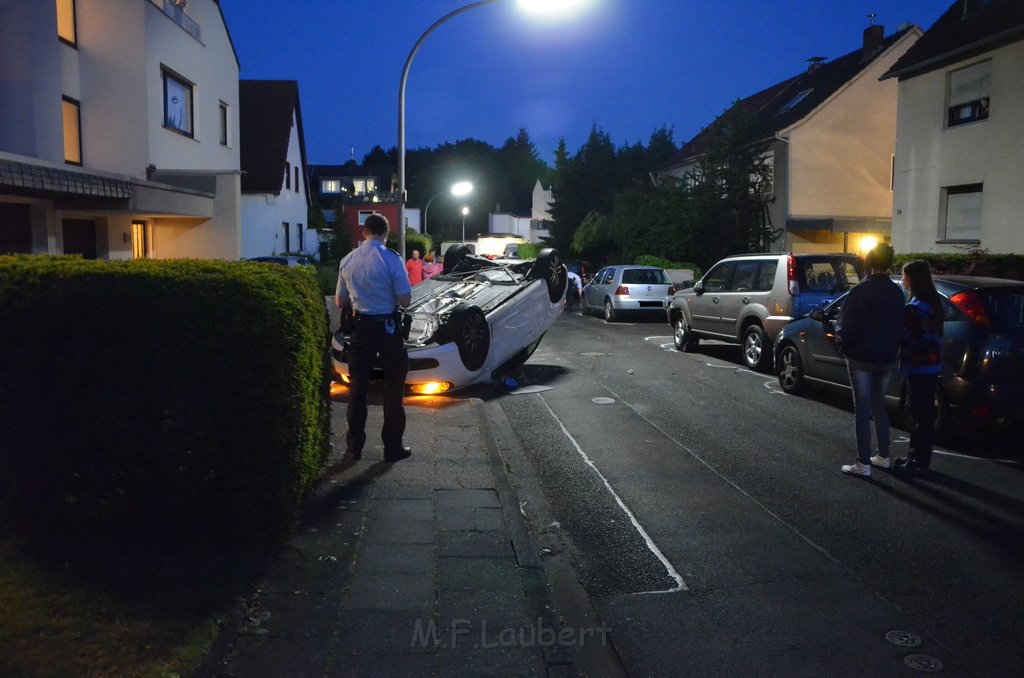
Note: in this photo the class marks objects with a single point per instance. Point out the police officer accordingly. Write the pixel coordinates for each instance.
(373, 281)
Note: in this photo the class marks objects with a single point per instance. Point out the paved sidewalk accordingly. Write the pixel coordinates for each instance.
(419, 568)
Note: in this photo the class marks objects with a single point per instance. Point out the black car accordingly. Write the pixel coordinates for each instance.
(982, 355)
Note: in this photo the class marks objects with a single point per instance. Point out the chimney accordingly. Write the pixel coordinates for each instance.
(874, 36)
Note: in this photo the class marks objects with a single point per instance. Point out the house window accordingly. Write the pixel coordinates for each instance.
(72, 114)
(330, 186)
(223, 124)
(302, 239)
(66, 27)
(962, 213)
(177, 104)
(795, 100)
(365, 213)
(296, 178)
(287, 174)
(287, 236)
(968, 93)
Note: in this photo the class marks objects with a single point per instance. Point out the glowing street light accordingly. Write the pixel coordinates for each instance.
(537, 6)
(457, 189)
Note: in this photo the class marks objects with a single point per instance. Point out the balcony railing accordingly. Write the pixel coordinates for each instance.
(178, 15)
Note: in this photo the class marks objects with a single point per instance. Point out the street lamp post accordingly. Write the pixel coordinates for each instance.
(465, 211)
(401, 116)
(456, 189)
(529, 5)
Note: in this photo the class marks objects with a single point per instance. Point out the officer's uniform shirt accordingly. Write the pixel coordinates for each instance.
(372, 275)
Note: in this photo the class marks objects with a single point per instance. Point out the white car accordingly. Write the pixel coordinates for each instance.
(475, 321)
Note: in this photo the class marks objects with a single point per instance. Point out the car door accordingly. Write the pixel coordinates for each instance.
(738, 295)
(825, 360)
(602, 281)
(705, 304)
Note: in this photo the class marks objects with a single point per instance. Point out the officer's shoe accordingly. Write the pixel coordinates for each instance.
(397, 454)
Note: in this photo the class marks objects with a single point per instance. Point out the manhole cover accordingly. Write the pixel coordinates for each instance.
(602, 401)
(923, 662)
(593, 354)
(903, 638)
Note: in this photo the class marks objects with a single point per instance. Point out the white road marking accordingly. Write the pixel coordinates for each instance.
(681, 585)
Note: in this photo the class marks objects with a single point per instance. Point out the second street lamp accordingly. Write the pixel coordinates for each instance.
(457, 189)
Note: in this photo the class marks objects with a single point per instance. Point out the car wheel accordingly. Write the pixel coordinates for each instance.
(609, 311)
(791, 371)
(549, 268)
(453, 256)
(682, 336)
(757, 350)
(472, 335)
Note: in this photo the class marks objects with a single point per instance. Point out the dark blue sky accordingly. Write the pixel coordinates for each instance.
(628, 66)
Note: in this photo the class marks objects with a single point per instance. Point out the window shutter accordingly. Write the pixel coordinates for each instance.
(969, 84)
(963, 215)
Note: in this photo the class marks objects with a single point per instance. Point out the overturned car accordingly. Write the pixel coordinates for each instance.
(476, 321)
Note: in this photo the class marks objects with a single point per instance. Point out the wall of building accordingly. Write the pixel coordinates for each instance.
(840, 157)
(990, 152)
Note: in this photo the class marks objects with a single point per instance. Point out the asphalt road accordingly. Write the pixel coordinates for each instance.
(703, 518)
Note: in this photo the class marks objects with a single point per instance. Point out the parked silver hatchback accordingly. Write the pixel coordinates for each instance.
(617, 291)
(746, 299)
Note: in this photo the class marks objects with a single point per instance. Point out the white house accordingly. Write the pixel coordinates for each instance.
(275, 193)
(959, 170)
(118, 129)
(534, 228)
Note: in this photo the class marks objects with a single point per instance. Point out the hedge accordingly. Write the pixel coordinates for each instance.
(660, 262)
(183, 399)
(972, 263)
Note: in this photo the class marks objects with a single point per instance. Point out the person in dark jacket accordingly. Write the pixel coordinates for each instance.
(869, 329)
(921, 360)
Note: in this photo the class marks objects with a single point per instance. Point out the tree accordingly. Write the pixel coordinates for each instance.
(730, 206)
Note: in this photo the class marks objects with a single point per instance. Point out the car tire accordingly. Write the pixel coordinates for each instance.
(757, 349)
(790, 371)
(609, 311)
(682, 335)
(453, 256)
(549, 268)
(471, 334)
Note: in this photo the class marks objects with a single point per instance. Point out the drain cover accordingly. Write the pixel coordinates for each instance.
(903, 638)
(923, 662)
(602, 401)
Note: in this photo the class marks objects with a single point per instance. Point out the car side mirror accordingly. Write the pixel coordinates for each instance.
(818, 314)
(699, 287)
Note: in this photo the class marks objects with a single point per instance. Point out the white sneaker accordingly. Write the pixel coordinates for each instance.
(881, 462)
(857, 469)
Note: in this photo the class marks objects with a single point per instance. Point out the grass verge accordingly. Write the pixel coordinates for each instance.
(103, 610)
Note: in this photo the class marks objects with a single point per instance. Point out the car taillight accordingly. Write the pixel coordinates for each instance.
(970, 304)
(794, 286)
(622, 290)
(671, 291)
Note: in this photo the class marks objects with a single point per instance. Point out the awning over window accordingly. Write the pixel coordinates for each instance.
(25, 178)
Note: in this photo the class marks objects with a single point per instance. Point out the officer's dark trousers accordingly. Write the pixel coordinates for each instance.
(369, 340)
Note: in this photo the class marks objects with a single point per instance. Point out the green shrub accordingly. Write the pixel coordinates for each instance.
(179, 398)
(649, 260)
(327, 278)
(970, 263)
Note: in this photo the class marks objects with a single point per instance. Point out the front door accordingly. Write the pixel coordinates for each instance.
(80, 237)
(140, 243)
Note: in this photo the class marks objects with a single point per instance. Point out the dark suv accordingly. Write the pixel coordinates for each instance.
(746, 299)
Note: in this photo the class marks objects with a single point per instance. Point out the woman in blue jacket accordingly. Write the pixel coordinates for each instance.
(921, 360)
